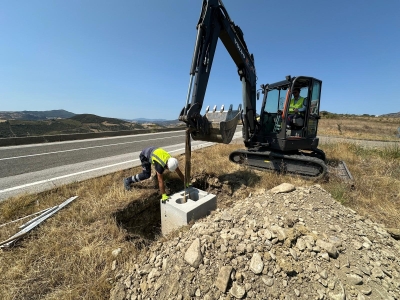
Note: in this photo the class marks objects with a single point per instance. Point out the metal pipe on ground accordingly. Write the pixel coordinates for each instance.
(49, 210)
(19, 219)
(26, 230)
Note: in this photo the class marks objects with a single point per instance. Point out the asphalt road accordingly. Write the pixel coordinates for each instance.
(38, 167)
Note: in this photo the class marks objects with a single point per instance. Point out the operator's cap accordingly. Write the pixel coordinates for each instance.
(172, 164)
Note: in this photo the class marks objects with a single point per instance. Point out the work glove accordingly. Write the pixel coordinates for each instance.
(188, 185)
(164, 198)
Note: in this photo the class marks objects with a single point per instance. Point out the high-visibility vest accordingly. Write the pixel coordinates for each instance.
(298, 105)
(161, 156)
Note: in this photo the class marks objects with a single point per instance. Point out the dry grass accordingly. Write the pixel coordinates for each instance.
(377, 181)
(365, 128)
(69, 256)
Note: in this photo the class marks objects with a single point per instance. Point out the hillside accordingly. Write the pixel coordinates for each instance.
(38, 123)
(392, 115)
(89, 119)
(161, 122)
(84, 123)
(35, 115)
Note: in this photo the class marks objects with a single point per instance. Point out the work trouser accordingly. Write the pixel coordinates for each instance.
(291, 116)
(146, 169)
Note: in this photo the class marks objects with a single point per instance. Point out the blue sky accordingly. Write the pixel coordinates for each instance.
(131, 59)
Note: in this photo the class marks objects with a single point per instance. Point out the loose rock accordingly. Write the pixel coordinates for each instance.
(286, 244)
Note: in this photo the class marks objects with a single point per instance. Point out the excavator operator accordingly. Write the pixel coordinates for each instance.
(296, 105)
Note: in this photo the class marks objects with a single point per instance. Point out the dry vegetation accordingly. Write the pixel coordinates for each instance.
(365, 128)
(69, 256)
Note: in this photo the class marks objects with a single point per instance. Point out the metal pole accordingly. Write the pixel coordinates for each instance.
(34, 214)
(38, 217)
(188, 156)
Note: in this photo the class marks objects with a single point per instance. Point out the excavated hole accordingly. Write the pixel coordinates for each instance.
(141, 218)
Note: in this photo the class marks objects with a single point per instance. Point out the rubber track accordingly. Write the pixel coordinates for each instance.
(301, 165)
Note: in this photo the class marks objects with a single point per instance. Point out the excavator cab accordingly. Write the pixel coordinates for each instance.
(282, 128)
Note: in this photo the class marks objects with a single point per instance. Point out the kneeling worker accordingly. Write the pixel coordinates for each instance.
(161, 160)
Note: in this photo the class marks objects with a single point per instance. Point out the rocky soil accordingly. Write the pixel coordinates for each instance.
(285, 243)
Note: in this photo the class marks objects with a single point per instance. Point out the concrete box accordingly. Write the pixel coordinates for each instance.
(175, 213)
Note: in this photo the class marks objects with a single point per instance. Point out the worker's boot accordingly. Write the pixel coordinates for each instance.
(127, 183)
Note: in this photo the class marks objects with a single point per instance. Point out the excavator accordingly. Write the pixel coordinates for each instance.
(273, 140)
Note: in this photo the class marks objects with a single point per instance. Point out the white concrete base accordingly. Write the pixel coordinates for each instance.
(175, 213)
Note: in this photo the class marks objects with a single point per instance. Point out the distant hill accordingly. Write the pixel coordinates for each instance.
(35, 115)
(162, 122)
(171, 123)
(144, 120)
(85, 118)
(329, 115)
(37, 123)
(391, 115)
(84, 123)
(89, 118)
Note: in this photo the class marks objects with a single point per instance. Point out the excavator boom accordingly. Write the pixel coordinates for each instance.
(218, 125)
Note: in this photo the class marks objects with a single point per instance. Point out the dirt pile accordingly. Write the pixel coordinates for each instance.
(286, 243)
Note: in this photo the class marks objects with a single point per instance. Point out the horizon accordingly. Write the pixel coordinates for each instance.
(162, 120)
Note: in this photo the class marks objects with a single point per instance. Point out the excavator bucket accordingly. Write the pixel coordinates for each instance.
(218, 126)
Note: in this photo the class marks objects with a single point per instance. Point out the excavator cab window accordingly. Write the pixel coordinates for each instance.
(273, 107)
(296, 112)
(314, 108)
(272, 101)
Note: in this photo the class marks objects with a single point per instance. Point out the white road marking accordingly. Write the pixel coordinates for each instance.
(64, 176)
(83, 172)
(92, 147)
